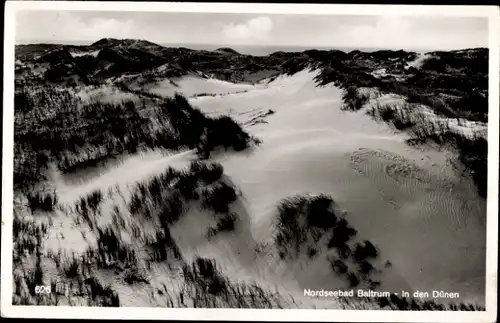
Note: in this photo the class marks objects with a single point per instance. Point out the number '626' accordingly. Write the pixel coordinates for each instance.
(42, 289)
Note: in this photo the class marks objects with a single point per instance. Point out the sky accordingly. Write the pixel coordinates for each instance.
(353, 31)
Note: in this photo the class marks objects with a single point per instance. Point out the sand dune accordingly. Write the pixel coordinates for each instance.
(406, 201)
(191, 85)
(428, 222)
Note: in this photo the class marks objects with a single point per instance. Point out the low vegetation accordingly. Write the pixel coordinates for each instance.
(353, 99)
(314, 225)
(162, 199)
(206, 287)
(218, 197)
(226, 222)
(42, 201)
(56, 128)
(194, 130)
(73, 135)
(396, 302)
(472, 150)
(299, 223)
(400, 116)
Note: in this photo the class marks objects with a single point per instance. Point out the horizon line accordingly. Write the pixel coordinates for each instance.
(222, 45)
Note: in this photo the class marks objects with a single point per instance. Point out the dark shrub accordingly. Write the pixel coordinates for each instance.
(303, 217)
(218, 197)
(172, 209)
(319, 212)
(225, 132)
(100, 295)
(341, 234)
(206, 276)
(350, 93)
(367, 250)
(110, 248)
(383, 301)
(374, 284)
(186, 185)
(311, 252)
(164, 246)
(353, 99)
(40, 201)
(365, 267)
(290, 233)
(73, 269)
(207, 173)
(400, 302)
(133, 275)
(474, 103)
(290, 209)
(94, 199)
(338, 266)
(386, 112)
(353, 280)
(195, 130)
(34, 278)
(135, 204)
(226, 222)
(22, 101)
(205, 267)
(402, 124)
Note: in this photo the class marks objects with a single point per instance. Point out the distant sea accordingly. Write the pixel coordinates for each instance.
(263, 50)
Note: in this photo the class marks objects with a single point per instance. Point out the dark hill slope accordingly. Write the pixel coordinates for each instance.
(451, 73)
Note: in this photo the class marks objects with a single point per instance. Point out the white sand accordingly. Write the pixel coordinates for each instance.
(105, 94)
(428, 223)
(307, 147)
(192, 85)
(91, 53)
(417, 63)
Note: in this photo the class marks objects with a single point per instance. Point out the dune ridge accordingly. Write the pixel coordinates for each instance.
(294, 137)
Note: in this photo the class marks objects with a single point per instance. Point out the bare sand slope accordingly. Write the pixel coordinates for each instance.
(427, 222)
(192, 85)
(130, 170)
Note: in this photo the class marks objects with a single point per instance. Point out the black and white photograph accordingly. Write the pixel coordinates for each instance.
(329, 160)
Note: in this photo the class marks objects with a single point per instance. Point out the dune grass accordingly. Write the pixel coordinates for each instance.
(472, 150)
(42, 201)
(56, 127)
(205, 286)
(53, 127)
(353, 99)
(352, 261)
(162, 199)
(218, 197)
(400, 116)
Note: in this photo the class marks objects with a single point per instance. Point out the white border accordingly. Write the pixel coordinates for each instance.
(8, 310)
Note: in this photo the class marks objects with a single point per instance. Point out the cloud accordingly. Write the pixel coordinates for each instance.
(413, 33)
(358, 31)
(255, 29)
(64, 25)
(386, 31)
